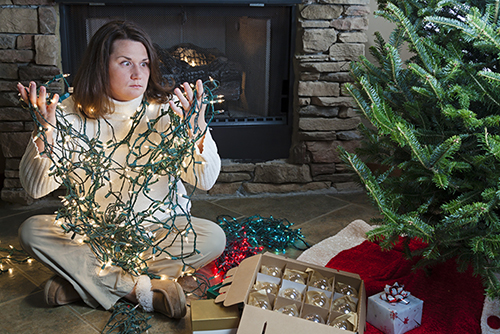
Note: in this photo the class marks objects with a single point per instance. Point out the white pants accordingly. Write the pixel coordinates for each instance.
(76, 262)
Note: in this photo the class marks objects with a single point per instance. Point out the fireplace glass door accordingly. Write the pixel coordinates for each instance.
(248, 49)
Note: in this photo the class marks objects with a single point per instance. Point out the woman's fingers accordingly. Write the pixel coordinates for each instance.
(42, 99)
(22, 91)
(186, 100)
(188, 91)
(53, 104)
(199, 90)
(182, 99)
(32, 93)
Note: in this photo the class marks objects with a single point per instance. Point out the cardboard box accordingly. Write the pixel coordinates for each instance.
(394, 318)
(207, 317)
(255, 320)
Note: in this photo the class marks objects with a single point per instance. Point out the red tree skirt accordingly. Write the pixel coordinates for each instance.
(453, 301)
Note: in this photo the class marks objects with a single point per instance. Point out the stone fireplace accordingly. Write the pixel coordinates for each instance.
(248, 49)
(316, 113)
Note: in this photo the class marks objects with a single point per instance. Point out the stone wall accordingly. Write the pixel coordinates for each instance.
(29, 50)
(330, 34)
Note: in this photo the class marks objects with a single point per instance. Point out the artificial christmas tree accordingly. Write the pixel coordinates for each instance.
(435, 123)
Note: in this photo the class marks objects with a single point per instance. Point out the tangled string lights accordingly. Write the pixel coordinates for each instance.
(126, 319)
(11, 255)
(84, 166)
(250, 236)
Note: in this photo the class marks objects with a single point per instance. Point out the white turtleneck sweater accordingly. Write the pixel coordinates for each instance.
(35, 169)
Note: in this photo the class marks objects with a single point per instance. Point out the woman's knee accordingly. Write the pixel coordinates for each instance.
(30, 229)
(216, 240)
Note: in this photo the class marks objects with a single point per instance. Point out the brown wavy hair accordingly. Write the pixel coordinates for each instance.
(92, 92)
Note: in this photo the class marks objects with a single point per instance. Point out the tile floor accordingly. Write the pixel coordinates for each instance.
(22, 309)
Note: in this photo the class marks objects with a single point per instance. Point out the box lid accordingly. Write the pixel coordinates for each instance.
(206, 315)
(242, 278)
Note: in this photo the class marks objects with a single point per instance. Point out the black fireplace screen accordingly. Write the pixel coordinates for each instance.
(248, 49)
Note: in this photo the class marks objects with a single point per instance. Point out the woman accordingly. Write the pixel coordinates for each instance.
(119, 71)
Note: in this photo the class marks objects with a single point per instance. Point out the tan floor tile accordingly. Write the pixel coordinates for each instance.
(210, 210)
(330, 224)
(355, 198)
(296, 208)
(15, 285)
(81, 309)
(29, 315)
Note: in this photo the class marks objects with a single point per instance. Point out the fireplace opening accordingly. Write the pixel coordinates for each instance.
(247, 48)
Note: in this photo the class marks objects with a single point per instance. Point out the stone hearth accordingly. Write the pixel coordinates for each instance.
(331, 33)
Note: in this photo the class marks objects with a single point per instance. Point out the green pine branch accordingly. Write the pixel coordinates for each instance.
(436, 121)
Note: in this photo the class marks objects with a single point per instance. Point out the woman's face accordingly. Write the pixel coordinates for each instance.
(128, 69)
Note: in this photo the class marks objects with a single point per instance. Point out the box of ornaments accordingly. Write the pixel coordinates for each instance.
(281, 295)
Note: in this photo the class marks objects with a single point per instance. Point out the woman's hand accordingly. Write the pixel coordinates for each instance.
(45, 114)
(187, 99)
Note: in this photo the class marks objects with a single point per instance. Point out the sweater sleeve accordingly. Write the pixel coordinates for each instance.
(206, 167)
(34, 172)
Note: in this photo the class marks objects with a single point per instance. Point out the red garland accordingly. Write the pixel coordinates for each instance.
(235, 252)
